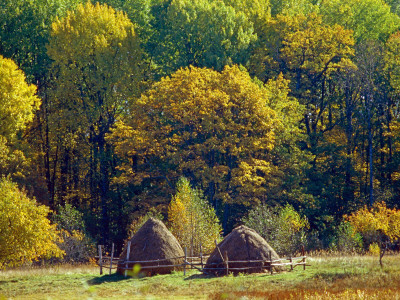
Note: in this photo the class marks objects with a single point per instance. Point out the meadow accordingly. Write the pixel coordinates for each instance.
(327, 277)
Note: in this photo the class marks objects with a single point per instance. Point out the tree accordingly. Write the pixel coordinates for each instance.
(216, 129)
(310, 54)
(206, 34)
(18, 103)
(25, 30)
(378, 224)
(77, 244)
(192, 220)
(281, 226)
(96, 57)
(292, 7)
(18, 100)
(369, 19)
(26, 233)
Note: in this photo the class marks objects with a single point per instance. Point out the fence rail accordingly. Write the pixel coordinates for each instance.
(197, 262)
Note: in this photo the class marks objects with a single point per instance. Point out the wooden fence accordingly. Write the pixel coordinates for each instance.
(198, 262)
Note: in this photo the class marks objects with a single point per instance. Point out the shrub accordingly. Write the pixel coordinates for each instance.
(282, 227)
(77, 244)
(348, 240)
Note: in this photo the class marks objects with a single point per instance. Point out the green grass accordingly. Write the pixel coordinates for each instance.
(349, 277)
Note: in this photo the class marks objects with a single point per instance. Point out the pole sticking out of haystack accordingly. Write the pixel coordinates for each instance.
(127, 258)
(184, 263)
(112, 257)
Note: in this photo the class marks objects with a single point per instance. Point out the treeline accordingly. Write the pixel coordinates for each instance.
(254, 102)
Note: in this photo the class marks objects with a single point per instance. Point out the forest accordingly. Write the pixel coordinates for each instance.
(106, 106)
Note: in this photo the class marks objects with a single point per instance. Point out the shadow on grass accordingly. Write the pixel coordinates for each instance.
(199, 276)
(107, 278)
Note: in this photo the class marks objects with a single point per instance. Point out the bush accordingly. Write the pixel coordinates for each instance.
(77, 244)
(348, 240)
(282, 227)
(192, 220)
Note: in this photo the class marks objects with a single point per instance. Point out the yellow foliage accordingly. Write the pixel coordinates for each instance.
(374, 249)
(25, 231)
(377, 220)
(18, 100)
(218, 125)
(192, 220)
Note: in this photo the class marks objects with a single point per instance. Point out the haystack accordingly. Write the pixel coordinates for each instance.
(242, 244)
(153, 241)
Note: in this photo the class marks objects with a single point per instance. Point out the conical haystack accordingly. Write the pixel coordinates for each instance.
(242, 244)
(153, 241)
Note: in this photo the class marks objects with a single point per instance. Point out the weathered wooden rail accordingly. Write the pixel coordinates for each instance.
(197, 262)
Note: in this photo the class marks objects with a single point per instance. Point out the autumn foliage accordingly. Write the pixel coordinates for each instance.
(26, 233)
(378, 225)
(192, 220)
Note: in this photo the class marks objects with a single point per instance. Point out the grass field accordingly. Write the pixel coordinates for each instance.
(349, 277)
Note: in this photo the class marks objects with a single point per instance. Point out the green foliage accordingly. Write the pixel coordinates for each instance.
(281, 226)
(292, 7)
(69, 218)
(347, 239)
(77, 244)
(369, 19)
(192, 220)
(26, 233)
(24, 32)
(207, 33)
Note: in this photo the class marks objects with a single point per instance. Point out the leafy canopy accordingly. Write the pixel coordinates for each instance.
(26, 233)
(214, 127)
(369, 19)
(18, 100)
(207, 33)
(377, 222)
(95, 52)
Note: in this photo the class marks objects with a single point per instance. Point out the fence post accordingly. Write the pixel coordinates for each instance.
(304, 256)
(270, 262)
(201, 256)
(226, 263)
(291, 263)
(184, 263)
(128, 250)
(100, 260)
(112, 257)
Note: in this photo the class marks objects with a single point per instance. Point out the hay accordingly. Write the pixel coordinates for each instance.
(242, 244)
(152, 241)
